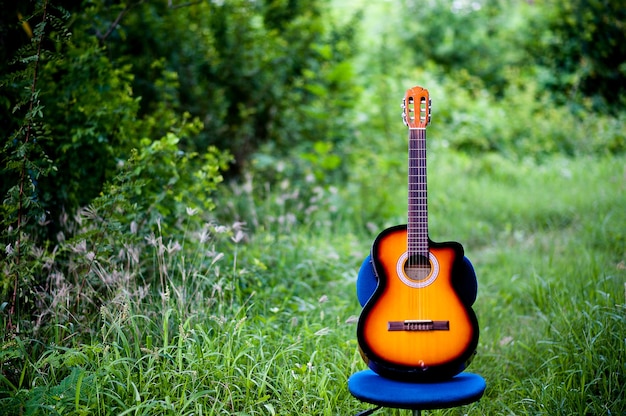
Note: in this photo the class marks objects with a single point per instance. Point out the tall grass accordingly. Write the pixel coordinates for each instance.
(228, 327)
(552, 298)
(263, 323)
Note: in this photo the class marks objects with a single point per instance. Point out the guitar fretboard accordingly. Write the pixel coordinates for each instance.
(417, 227)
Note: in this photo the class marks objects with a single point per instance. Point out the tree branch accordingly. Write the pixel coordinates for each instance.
(20, 209)
(116, 22)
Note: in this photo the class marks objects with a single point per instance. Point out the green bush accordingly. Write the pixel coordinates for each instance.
(582, 51)
(252, 72)
(78, 128)
(484, 40)
(576, 50)
(523, 123)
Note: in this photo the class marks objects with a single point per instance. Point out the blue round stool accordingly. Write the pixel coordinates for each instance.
(462, 389)
(369, 387)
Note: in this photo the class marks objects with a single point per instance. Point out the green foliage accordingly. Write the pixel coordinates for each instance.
(574, 49)
(78, 124)
(474, 38)
(220, 85)
(247, 329)
(25, 163)
(93, 110)
(523, 123)
(132, 296)
(583, 51)
(253, 72)
(175, 181)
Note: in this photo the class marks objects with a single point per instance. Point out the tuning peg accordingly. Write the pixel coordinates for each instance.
(430, 107)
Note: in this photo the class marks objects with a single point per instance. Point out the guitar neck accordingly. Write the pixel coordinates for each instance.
(417, 227)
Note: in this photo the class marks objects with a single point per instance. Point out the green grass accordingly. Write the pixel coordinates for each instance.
(552, 293)
(270, 329)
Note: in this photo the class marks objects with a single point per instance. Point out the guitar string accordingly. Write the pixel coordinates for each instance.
(418, 235)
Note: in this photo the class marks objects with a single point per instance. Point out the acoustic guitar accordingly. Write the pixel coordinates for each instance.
(417, 325)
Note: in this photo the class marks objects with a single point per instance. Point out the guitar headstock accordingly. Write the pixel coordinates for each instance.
(416, 108)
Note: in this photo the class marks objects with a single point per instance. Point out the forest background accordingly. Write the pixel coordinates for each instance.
(189, 189)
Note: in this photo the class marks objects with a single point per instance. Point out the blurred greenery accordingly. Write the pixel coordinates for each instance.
(174, 167)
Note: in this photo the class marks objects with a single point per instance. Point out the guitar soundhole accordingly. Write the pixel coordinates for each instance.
(417, 267)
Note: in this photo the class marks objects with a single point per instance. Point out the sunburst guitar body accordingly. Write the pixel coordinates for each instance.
(416, 325)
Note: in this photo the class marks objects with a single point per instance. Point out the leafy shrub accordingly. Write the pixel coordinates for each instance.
(77, 126)
(524, 123)
(482, 39)
(252, 72)
(582, 51)
(576, 50)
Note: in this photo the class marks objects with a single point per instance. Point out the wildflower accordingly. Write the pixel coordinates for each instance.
(142, 291)
(240, 323)
(192, 211)
(60, 296)
(42, 221)
(506, 340)
(216, 258)
(220, 320)
(203, 235)
(239, 235)
(248, 186)
(165, 296)
(323, 331)
(90, 213)
(80, 247)
(220, 229)
(63, 218)
(152, 240)
(173, 247)
(132, 253)
(238, 225)
(332, 255)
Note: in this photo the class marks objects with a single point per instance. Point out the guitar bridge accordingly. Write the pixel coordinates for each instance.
(418, 325)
